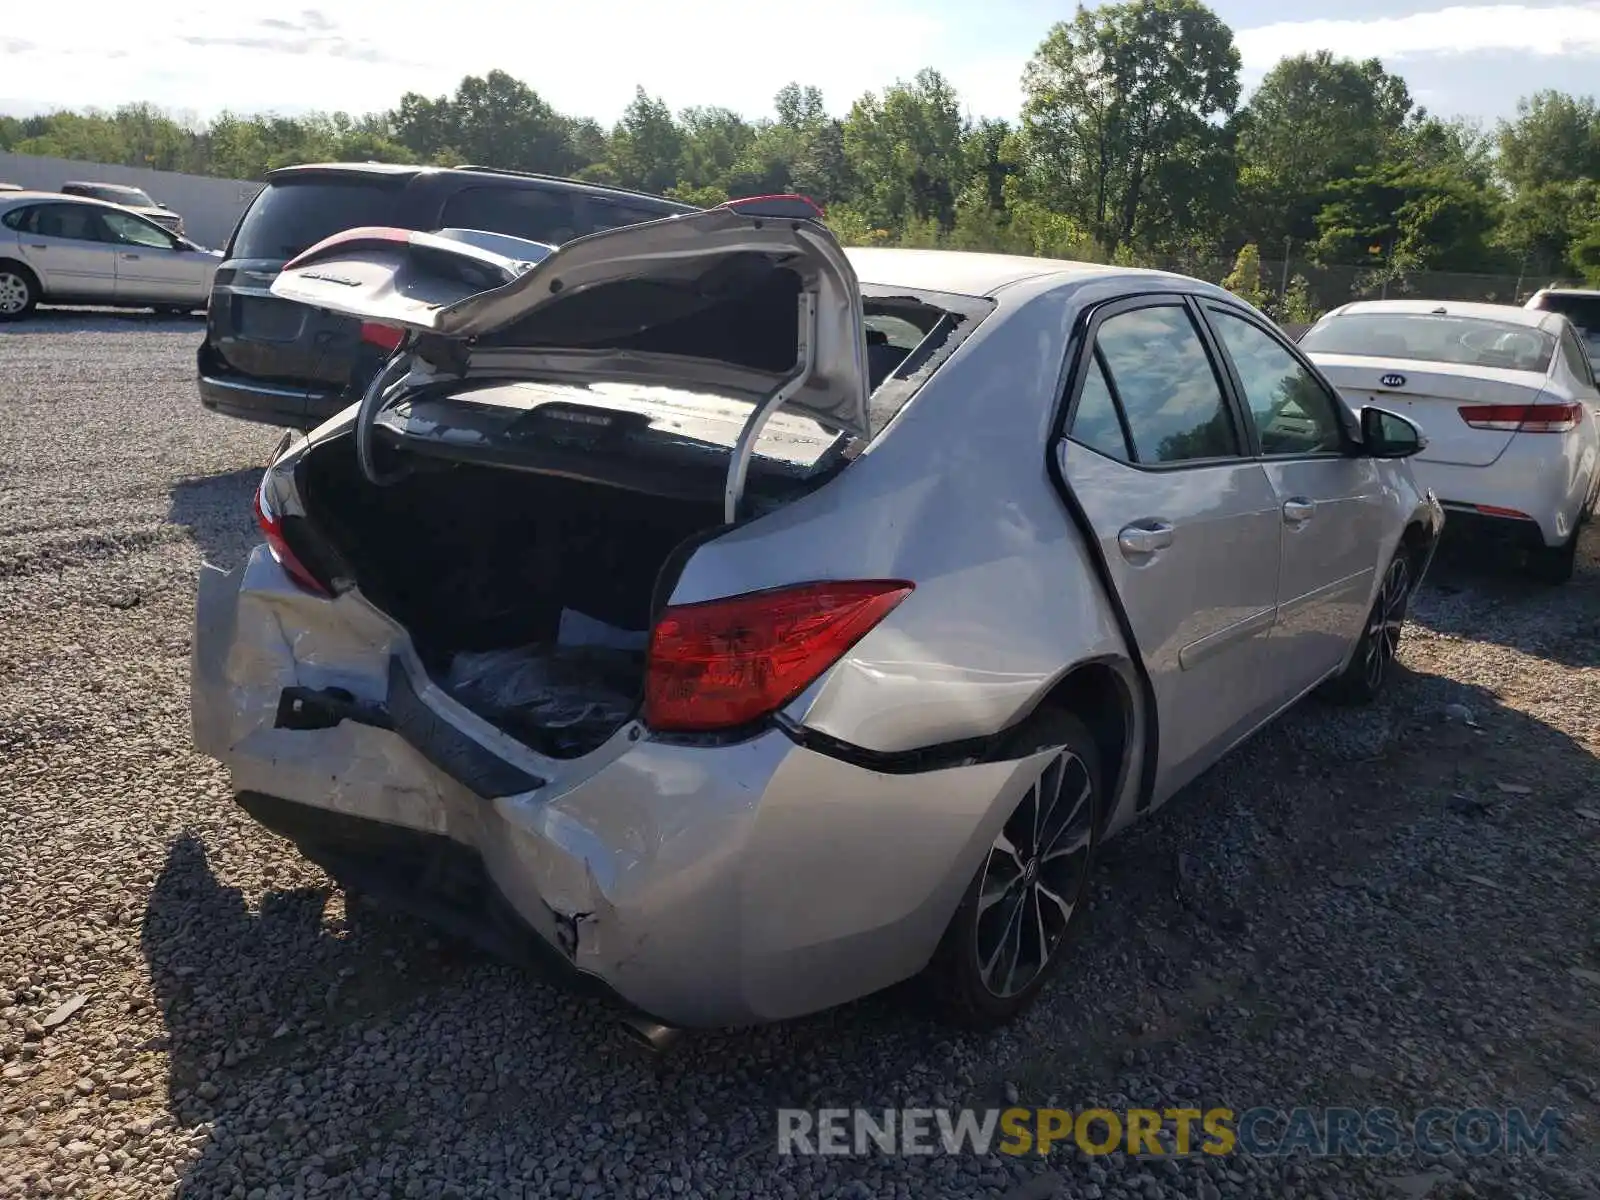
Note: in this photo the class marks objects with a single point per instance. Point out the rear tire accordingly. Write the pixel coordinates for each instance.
(1009, 933)
(19, 291)
(1554, 565)
(1363, 680)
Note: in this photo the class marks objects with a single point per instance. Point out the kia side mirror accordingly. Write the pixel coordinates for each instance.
(1389, 435)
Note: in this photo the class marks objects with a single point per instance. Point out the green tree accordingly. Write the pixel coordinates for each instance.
(1421, 219)
(1314, 119)
(1554, 139)
(1244, 281)
(905, 148)
(495, 120)
(1117, 93)
(646, 145)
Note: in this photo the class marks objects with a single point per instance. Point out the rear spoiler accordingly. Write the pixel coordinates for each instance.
(754, 299)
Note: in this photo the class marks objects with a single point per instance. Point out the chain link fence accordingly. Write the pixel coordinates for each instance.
(1327, 287)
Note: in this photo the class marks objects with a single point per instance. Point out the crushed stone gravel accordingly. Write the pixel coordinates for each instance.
(1397, 906)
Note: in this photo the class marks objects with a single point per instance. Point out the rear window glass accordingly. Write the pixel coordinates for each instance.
(1429, 337)
(289, 217)
(531, 213)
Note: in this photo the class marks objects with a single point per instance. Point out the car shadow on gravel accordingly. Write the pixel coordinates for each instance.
(297, 1017)
(80, 320)
(218, 514)
(1487, 597)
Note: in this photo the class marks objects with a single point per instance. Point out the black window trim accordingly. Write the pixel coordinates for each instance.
(1569, 332)
(1349, 443)
(1088, 344)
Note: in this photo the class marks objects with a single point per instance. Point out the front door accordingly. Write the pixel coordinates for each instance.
(1188, 524)
(1332, 503)
(153, 267)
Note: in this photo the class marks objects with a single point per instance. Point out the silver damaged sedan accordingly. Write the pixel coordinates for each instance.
(741, 625)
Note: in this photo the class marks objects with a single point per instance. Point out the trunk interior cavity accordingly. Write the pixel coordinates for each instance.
(527, 596)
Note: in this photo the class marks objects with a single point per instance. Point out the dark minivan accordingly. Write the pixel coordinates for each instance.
(281, 363)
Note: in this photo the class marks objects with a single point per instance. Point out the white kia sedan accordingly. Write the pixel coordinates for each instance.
(1506, 399)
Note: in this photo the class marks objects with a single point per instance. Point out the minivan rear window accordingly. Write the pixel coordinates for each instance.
(289, 217)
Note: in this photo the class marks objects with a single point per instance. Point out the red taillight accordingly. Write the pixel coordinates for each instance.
(272, 527)
(725, 663)
(385, 337)
(1522, 418)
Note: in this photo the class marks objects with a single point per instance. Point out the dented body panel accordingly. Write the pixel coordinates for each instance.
(819, 856)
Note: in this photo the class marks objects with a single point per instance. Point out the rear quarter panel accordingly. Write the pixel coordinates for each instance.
(954, 496)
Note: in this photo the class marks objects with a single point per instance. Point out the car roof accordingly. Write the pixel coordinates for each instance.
(115, 187)
(12, 198)
(970, 273)
(410, 170)
(1565, 291)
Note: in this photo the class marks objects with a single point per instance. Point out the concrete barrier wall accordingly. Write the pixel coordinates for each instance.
(210, 207)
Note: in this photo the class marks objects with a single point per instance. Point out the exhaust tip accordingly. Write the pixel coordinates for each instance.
(651, 1035)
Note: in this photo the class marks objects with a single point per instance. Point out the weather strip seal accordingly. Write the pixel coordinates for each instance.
(744, 449)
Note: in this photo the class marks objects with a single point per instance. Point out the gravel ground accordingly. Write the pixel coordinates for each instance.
(1395, 906)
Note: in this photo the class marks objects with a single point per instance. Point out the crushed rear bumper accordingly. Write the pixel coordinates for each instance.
(705, 883)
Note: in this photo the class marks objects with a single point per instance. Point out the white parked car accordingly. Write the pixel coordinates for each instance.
(1506, 398)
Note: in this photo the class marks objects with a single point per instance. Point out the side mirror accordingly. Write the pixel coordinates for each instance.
(1389, 435)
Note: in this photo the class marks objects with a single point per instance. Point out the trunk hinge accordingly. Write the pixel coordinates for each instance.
(805, 364)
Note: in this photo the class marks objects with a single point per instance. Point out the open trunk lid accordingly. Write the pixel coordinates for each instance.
(1432, 395)
(755, 304)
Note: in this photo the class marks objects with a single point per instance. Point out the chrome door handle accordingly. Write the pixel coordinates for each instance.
(1144, 538)
(38, 245)
(130, 256)
(1298, 511)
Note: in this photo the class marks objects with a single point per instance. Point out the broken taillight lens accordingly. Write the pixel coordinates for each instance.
(271, 524)
(1522, 418)
(725, 663)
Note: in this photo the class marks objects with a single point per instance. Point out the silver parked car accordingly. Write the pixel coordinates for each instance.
(64, 250)
(744, 625)
(1505, 397)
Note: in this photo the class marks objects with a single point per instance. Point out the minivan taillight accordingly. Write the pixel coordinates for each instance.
(271, 524)
(721, 664)
(385, 337)
(1522, 418)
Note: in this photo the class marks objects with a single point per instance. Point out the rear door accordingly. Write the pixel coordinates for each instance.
(1332, 501)
(67, 247)
(1188, 523)
(152, 266)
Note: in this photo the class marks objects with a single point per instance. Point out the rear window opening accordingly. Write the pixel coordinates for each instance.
(1431, 337)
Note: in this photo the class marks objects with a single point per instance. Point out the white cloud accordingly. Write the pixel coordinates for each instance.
(1568, 29)
(360, 55)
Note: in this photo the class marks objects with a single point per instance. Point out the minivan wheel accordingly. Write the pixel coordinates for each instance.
(1363, 680)
(1009, 932)
(18, 292)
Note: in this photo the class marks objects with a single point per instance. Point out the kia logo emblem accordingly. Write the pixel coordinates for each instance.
(1393, 380)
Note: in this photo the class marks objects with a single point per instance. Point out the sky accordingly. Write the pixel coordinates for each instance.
(1460, 59)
